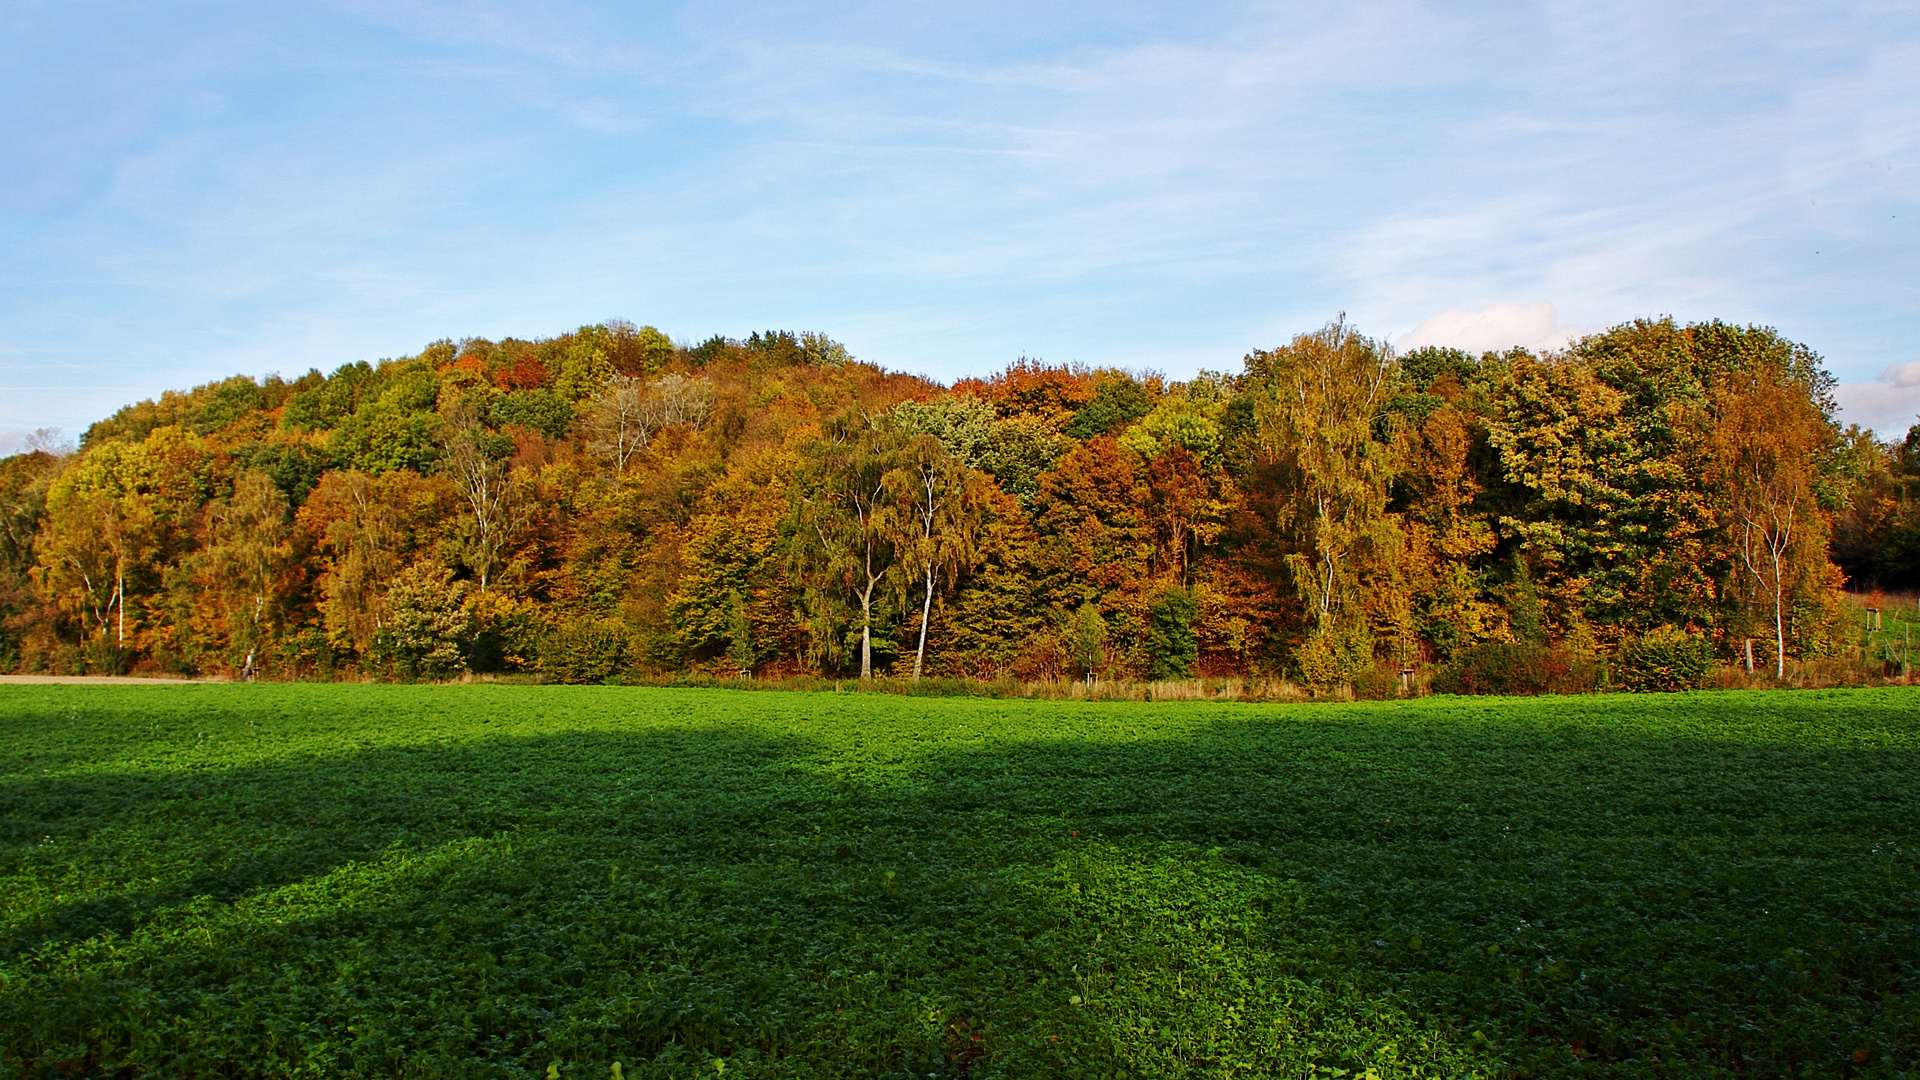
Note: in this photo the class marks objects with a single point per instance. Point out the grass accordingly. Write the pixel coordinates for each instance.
(292, 880)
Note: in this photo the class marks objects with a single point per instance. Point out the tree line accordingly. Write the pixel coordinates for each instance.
(608, 502)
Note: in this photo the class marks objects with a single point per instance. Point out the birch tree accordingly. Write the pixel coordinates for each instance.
(628, 411)
(935, 507)
(249, 553)
(478, 462)
(847, 541)
(1321, 398)
(1768, 436)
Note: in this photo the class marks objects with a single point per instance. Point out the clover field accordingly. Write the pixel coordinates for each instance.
(517, 881)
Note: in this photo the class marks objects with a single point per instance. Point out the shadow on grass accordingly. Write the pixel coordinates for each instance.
(1254, 898)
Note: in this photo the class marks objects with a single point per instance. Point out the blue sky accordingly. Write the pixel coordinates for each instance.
(189, 190)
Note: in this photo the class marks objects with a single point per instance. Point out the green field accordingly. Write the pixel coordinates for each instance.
(291, 880)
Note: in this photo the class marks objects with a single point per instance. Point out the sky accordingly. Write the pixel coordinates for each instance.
(190, 190)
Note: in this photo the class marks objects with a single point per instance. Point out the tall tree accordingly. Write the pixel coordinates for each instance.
(845, 538)
(1768, 437)
(249, 554)
(367, 527)
(479, 463)
(1319, 410)
(934, 512)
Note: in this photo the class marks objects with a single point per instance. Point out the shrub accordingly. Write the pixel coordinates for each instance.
(1377, 682)
(1332, 658)
(427, 623)
(1663, 659)
(1171, 648)
(584, 650)
(1504, 667)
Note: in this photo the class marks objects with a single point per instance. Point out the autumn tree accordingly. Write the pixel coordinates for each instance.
(1096, 539)
(84, 554)
(478, 462)
(628, 411)
(1769, 435)
(1319, 408)
(116, 518)
(846, 540)
(23, 507)
(249, 556)
(933, 511)
(367, 528)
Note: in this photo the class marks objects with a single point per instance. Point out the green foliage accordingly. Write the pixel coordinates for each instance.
(427, 624)
(1118, 400)
(264, 881)
(1020, 449)
(323, 406)
(782, 347)
(1424, 367)
(1335, 657)
(1663, 659)
(1090, 638)
(582, 362)
(542, 410)
(585, 650)
(1192, 425)
(1171, 648)
(380, 438)
(294, 467)
(202, 410)
(411, 390)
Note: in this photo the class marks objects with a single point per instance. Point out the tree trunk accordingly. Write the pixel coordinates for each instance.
(1779, 641)
(926, 609)
(866, 635)
(1749, 656)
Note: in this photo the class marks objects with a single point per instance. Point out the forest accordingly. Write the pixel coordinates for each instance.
(611, 504)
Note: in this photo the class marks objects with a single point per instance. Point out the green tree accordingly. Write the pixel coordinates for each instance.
(1089, 633)
(426, 622)
(1171, 648)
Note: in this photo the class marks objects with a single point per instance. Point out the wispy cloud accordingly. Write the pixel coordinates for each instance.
(224, 187)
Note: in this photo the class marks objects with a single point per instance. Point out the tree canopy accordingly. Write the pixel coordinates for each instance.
(608, 501)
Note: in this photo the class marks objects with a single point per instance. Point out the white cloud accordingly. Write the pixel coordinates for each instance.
(1905, 375)
(1496, 327)
(1887, 410)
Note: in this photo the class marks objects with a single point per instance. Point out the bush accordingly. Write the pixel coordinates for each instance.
(1377, 683)
(1332, 658)
(1665, 659)
(427, 623)
(1501, 667)
(1171, 648)
(585, 650)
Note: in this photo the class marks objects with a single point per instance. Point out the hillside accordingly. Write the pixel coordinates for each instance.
(608, 502)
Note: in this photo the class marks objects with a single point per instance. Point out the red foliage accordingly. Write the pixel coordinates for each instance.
(1031, 388)
(524, 373)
